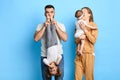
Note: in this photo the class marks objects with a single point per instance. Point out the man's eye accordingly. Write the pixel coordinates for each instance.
(51, 11)
(47, 12)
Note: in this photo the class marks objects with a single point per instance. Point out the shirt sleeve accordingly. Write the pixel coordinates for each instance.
(93, 35)
(62, 27)
(39, 27)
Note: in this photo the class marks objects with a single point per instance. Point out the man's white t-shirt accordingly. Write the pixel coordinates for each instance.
(43, 39)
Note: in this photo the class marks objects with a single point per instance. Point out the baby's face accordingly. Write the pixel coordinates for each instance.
(81, 16)
(53, 70)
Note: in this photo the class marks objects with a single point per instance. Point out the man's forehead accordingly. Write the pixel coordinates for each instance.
(49, 9)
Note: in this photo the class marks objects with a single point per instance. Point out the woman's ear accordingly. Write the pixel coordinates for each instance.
(89, 14)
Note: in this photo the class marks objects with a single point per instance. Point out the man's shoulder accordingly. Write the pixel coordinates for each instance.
(59, 23)
(61, 26)
(39, 26)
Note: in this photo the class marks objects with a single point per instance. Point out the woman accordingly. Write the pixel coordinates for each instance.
(85, 63)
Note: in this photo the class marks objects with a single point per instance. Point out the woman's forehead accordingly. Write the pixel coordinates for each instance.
(84, 10)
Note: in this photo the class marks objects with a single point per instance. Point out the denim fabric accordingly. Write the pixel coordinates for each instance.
(45, 69)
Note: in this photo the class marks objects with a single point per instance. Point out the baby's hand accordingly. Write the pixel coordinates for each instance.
(52, 65)
(82, 25)
(84, 22)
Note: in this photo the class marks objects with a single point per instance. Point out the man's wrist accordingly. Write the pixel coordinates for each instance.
(56, 26)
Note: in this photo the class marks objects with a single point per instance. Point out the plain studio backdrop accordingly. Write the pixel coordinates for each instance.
(20, 54)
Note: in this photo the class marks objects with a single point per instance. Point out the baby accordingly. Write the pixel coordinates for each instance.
(53, 57)
(79, 15)
(54, 70)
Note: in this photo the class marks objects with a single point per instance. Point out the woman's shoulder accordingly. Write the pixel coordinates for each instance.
(93, 24)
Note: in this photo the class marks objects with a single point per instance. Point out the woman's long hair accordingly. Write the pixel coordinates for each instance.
(90, 12)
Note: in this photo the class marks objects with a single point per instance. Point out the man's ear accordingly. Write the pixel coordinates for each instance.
(44, 14)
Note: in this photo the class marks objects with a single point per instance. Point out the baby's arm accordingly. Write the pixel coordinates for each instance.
(59, 57)
(46, 62)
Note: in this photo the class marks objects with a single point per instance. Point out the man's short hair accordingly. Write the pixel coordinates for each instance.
(49, 6)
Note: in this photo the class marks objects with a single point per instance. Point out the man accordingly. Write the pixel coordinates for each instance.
(61, 35)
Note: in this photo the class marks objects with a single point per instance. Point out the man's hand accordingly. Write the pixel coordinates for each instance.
(47, 22)
(53, 21)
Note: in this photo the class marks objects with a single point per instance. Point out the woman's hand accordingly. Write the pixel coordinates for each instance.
(82, 26)
(82, 37)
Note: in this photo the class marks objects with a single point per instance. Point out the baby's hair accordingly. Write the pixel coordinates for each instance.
(78, 13)
(59, 73)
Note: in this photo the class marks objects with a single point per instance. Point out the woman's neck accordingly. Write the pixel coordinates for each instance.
(87, 21)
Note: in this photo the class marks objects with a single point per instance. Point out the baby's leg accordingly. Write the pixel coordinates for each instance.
(82, 45)
(82, 39)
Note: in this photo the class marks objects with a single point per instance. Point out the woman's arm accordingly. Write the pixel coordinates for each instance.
(91, 36)
(91, 26)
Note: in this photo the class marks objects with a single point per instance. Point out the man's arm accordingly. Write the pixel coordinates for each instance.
(61, 34)
(38, 34)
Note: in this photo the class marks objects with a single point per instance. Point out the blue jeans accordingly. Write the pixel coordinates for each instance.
(45, 69)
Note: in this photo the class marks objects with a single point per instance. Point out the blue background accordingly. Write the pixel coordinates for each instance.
(20, 55)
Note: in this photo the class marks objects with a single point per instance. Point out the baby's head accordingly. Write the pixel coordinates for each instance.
(79, 14)
(54, 70)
